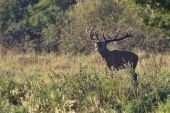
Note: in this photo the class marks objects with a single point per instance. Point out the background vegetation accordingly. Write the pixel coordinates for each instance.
(65, 80)
(64, 84)
(59, 25)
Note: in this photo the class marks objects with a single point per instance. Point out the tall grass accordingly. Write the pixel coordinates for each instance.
(65, 83)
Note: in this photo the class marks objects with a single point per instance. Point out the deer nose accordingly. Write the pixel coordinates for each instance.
(96, 49)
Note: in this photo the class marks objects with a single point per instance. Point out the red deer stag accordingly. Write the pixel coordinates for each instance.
(115, 59)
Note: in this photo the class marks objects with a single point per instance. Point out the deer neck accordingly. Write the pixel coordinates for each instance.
(104, 53)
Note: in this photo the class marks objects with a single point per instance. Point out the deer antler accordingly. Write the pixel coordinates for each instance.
(92, 34)
(115, 37)
(104, 35)
(127, 34)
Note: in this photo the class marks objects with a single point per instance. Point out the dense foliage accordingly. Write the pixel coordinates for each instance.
(59, 25)
(65, 84)
(159, 13)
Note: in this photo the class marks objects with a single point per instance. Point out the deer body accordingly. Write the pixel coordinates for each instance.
(116, 59)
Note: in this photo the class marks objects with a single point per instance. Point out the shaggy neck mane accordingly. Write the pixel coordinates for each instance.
(104, 53)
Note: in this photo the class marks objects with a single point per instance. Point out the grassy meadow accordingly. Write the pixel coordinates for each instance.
(50, 83)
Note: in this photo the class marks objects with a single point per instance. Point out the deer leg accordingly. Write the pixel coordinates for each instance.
(134, 77)
(109, 71)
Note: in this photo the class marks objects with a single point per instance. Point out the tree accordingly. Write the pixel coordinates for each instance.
(157, 13)
(25, 21)
(103, 13)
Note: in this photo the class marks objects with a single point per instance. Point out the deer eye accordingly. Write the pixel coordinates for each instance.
(99, 44)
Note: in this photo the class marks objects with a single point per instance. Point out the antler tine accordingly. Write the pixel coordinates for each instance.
(117, 33)
(96, 34)
(104, 36)
(114, 37)
(87, 31)
(90, 33)
(127, 34)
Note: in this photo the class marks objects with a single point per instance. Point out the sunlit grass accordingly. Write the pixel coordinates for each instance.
(67, 64)
(53, 83)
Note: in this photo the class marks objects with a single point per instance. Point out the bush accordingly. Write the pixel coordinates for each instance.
(83, 91)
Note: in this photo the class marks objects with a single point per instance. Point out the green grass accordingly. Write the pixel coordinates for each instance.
(52, 83)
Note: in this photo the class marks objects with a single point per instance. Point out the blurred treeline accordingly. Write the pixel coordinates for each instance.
(60, 25)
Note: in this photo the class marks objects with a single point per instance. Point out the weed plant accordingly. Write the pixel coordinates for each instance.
(61, 84)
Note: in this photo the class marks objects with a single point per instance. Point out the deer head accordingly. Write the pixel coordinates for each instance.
(101, 42)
